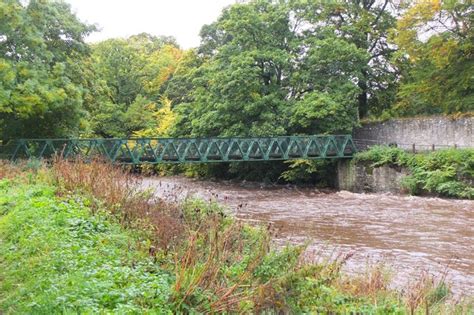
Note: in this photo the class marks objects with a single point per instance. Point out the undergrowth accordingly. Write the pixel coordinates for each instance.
(57, 257)
(447, 172)
(82, 238)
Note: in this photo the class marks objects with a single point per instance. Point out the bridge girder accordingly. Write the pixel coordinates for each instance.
(186, 150)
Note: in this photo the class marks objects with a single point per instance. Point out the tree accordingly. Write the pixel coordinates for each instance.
(133, 71)
(436, 42)
(258, 72)
(367, 25)
(42, 44)
(163, 121)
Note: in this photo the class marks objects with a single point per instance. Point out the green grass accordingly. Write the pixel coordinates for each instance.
(448, 173)
(57, 257)
(61, 253)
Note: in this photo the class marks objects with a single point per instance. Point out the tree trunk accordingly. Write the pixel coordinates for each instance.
(363, 100)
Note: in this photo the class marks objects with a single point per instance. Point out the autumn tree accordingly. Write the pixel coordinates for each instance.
(42, 50)
(436, 53)
(133, 71)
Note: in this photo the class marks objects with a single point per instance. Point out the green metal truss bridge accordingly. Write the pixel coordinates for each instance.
(184, 150)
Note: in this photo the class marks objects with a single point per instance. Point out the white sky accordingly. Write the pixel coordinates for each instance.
(182, 19)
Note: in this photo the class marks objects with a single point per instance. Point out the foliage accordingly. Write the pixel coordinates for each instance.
(383, 155)
(263, 68)
(257, 72)
(435, 40)
(102, 183)
(317, 172)
(58, 258)
(445, 172)
(366, 25)
(42, 53)
(299, 169)
(133, 71)
(165, 119)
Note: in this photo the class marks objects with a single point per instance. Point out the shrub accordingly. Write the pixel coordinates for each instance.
(383, 155)
(445, 172)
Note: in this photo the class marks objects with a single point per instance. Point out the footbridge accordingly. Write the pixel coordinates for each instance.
(184, 150)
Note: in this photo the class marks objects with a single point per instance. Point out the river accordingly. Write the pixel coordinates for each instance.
(408, 234)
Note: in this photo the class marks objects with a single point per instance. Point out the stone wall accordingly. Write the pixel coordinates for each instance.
(361, 177)
(440, 131)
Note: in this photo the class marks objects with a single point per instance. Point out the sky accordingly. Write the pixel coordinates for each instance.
(182, 19)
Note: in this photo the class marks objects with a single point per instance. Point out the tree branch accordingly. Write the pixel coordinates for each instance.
(380, 13)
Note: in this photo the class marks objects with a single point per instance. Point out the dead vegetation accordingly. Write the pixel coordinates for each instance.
(117, 189)
(223, 265)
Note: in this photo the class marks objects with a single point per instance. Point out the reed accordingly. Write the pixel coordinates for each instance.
(119, 191)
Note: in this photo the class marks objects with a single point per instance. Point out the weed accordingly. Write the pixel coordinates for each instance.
(445, 172)
(425, 292)
(95, 242)
(120, 192)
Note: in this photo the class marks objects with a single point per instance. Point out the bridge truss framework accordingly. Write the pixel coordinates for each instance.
(185, 150)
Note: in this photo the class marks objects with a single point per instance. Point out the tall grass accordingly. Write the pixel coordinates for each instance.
(120, 192)
(215, 263)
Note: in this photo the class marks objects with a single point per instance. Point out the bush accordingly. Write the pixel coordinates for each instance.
(383, 155)
(447, 173)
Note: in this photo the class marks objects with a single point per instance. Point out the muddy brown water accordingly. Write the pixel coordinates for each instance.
(410, 235)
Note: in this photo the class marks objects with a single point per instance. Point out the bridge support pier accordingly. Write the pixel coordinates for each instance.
(361, 177)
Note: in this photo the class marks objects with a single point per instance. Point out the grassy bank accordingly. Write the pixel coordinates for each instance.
(58, 257)
(448, 173)
(81, 238)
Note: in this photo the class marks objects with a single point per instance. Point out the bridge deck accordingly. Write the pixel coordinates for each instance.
(185, 150)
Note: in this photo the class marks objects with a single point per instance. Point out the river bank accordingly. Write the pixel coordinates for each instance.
(88, 238)
(383, 169)
(407, 233)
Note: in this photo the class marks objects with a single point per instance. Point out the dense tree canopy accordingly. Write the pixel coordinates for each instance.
(41, 56)
(366, 24)
(133, 72)
(260, 72)
(436, 51)
(264, 67)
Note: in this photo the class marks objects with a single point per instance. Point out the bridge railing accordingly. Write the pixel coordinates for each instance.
(366, 144)
(184, 150)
